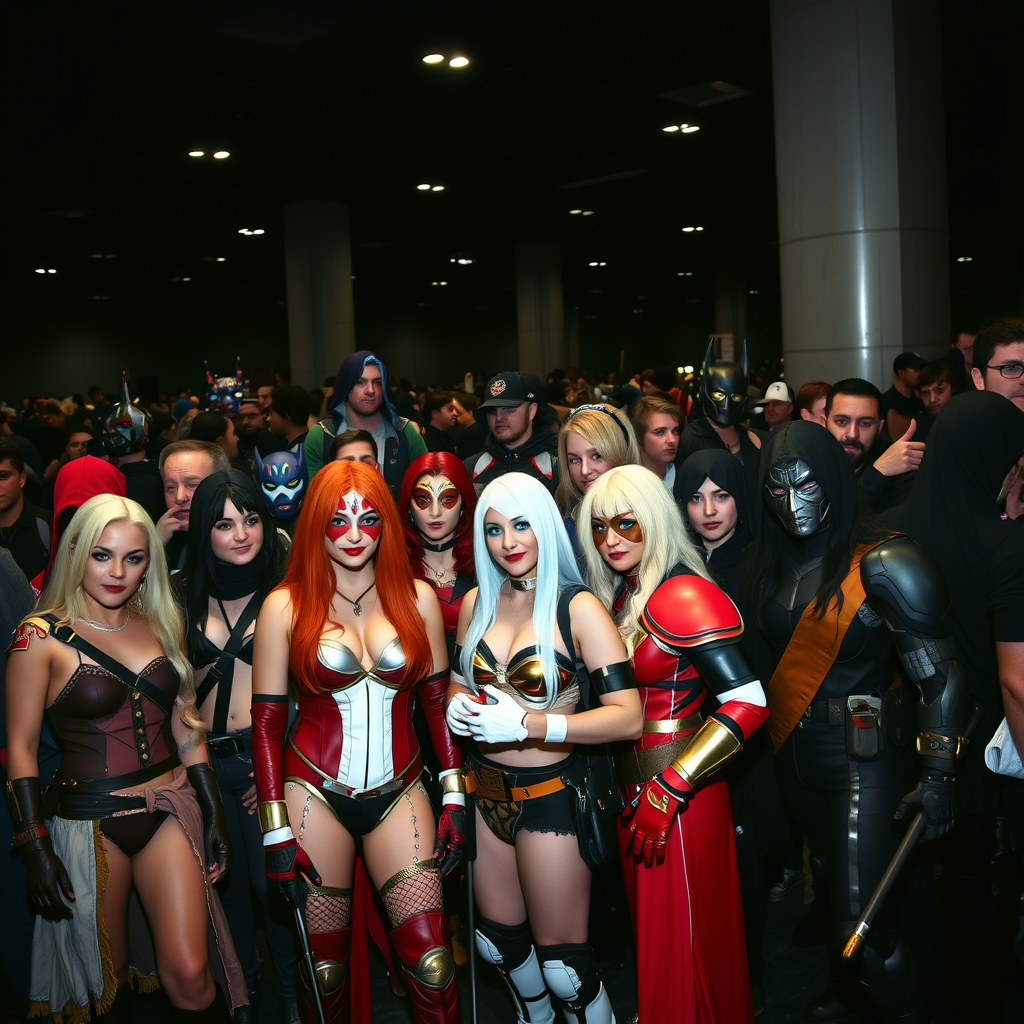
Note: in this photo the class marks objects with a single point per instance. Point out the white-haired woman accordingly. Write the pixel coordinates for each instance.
(530, 876)
(675, 835)
(103, 658)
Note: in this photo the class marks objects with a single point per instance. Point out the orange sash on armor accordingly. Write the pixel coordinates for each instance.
(810, 653)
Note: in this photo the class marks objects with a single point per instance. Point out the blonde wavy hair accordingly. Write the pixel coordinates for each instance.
(666, 541)
(63, 595)
(610, 432)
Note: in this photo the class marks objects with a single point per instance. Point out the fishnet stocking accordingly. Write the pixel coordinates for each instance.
(328, 910)
(411, 894)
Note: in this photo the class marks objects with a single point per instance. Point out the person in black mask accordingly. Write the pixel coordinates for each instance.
(974, 450)
(836, 594)
(723, 403)
(233, 562)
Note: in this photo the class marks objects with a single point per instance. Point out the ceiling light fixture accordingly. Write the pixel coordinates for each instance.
(424, 187)
(692, 228)
(438, 284)
(433, 58)
(587, 213)
(437, 188)
(965, 259)
(753, 291)
(458, 62)
(221, 154)
(196, 152)
(689, 129)
(684, 273)
(575, 211)
(40, 270)
(219, 259)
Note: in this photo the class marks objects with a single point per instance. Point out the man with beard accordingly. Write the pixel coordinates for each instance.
(853, 414)
(513, 446)
(253, 435)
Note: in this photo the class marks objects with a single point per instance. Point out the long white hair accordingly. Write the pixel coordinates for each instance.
(63, 595)
(666, 541)
(515, 496)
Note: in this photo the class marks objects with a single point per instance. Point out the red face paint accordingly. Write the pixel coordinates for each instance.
(354, 508)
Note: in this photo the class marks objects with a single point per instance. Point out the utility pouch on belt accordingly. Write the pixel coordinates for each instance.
(864, 727)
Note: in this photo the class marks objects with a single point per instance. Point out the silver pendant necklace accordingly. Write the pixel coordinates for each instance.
(108, 629)
(356, 606)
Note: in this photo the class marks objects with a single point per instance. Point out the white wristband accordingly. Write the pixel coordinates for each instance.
(555, 728)
(278, 835)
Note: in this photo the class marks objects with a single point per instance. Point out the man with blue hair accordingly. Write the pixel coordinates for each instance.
(360, 401)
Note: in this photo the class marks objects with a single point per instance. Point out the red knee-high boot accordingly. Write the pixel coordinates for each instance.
(330, 955)
(423, 944)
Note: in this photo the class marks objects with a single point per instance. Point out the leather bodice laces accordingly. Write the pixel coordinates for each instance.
(107, 729)
(338, 668)
(523, 678)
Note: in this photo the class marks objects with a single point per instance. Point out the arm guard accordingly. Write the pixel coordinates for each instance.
(909, 589)
(269, 723)
(432, 694)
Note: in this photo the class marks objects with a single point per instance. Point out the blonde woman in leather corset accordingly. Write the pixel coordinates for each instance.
(530, 876)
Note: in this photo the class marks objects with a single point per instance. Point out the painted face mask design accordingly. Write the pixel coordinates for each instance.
(282, 478)
(354, 507)
(624, 524)
(796, 498)
(224, 394)
(723, 388)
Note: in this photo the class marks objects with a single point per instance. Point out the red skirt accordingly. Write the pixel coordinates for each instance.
(691, 958)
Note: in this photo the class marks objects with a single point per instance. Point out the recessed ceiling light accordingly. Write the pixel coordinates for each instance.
(575, 211)
(196, 152)
(51, 271)
(684, 273)
(587, 213)
(433, 58)
(689, 129)
(687, 369)
(592, 264)
(753, 291)
(219, 259)
(965, 259)
(424, 187)
(692, 228)
(221, 154)
(458, 62)
(437, 188)
(40, 270)
(670, 128)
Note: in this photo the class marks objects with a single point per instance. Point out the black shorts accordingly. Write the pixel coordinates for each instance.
(358, 817)
(550, 813)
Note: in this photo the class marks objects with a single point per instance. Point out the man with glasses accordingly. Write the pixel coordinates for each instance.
(999, 359)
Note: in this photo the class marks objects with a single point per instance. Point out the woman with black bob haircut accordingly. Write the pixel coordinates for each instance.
(234, 559)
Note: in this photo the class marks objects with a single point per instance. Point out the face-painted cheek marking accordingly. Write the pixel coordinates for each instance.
(354, 502)
(335, 533)
(373, 532)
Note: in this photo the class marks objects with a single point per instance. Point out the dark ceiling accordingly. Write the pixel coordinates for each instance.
(561, 108)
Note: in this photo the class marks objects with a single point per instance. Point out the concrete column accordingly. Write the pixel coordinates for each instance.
(539, 307)
(318, 267)
(860, 155)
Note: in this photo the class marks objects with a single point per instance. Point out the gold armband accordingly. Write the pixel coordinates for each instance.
(711, 746)
(934, 744)
(273, 814)
(455, 782)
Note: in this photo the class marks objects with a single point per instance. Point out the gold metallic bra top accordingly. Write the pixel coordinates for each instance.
(523, 677)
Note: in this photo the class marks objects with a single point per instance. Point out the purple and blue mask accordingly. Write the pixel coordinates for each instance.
(224, 394)
(282, 477)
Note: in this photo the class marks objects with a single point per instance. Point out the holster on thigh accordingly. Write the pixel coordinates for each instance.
(509, 947)
(423, 945)
(571, 976)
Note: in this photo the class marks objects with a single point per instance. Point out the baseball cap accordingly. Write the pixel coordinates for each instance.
(507, 390)
(908, 361)
(778, 392)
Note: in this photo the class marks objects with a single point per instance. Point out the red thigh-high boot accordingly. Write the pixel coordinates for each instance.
(423, 944)
(328, 918)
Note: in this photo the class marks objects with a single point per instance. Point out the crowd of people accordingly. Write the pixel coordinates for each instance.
(301, 657)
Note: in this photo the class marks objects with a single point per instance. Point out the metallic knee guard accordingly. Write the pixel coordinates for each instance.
(508, 947)
(330, 951)
(423, 946)
(570, 974)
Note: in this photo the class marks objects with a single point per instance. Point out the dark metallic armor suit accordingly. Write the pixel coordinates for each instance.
(846, 766)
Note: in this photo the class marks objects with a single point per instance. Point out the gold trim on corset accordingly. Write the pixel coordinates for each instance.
(351, 791)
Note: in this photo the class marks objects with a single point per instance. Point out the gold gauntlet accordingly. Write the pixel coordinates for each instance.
(453, 782)
(711, 746)
(273, 814)
(934, 744)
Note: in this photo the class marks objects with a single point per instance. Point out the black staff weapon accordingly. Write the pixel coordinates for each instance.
(307, 955)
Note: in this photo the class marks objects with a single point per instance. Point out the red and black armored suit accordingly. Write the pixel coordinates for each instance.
(687, 915)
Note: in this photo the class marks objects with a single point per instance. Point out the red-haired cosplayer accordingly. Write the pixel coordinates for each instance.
(437, 502)
(676, 835)
(363, 640)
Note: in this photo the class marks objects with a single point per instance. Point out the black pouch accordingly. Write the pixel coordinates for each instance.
(898, 718)
(597, 804)
(864, 739)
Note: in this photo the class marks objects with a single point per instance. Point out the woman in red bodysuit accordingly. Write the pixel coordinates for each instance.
(675, 835)
(363, 641)
(104, 658)
(437, 502)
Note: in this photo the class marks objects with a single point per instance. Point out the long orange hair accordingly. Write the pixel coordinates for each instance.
(311, 583)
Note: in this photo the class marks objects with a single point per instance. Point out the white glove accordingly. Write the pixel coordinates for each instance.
(457, 714)
(500, 720)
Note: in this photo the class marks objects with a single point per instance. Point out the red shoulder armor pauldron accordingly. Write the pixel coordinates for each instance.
(22, 636)
(687, 611)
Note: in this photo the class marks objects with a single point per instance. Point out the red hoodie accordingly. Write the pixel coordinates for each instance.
(77, 482)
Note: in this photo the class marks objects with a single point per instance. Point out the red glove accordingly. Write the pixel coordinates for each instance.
(656, 807)
(451, 837)
(285, 864)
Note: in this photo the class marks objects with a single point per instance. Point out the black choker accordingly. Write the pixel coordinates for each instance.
(530, 584)
(445, 545)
